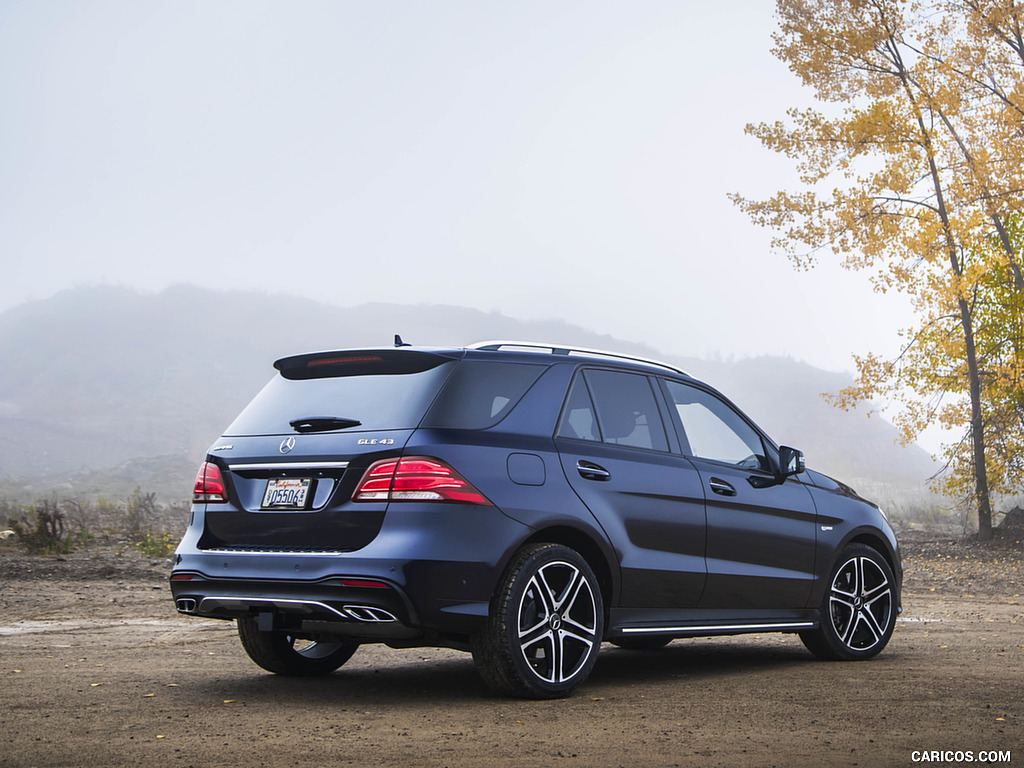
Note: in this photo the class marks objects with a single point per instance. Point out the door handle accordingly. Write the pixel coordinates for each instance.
(589, 471)
(721, 487)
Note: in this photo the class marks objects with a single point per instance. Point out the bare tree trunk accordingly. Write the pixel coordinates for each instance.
(966, 315)
(977, 426)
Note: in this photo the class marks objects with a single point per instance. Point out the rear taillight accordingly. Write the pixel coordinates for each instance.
(416, 478)
(209, 485)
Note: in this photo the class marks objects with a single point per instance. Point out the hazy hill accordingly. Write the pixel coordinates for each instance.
(107, 378)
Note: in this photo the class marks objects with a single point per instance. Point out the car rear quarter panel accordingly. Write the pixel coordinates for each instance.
(538, 500)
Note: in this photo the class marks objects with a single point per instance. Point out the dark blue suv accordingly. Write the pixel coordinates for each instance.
(524, 502)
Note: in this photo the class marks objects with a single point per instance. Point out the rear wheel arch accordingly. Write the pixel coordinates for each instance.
(589, 550)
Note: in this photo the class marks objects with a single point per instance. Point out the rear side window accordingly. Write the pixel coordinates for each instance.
(621, 404)
(578, 419)
(376, 401)
(480, 394)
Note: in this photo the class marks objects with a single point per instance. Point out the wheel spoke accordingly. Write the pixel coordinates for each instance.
(542, 653)
(587, 640)
(543, 592)
(583, 599)
(882, 602)
(851, 627)
(587, 631)
(845, 597)
(859, 571)
(846, 577)
(873, 594)
(558, 672)
(871, 623)
(846, 601)
(570, 592)
(573, 651)
(534, 634)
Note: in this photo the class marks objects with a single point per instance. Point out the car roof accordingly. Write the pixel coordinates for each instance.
(519, 351)
(563, 350)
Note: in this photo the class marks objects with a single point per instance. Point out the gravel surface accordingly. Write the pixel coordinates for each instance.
(97, 669)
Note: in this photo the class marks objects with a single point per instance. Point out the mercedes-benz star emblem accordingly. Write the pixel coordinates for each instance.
(287, 444)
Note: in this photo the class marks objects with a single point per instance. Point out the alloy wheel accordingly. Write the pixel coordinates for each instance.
(860, 603)
(557, 622)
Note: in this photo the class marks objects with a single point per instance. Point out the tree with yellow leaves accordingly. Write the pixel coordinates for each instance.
(914, 170)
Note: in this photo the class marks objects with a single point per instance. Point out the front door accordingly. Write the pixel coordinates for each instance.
(760, 529)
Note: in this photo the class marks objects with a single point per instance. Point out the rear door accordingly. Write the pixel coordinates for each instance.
(760, 529)
(617, 456)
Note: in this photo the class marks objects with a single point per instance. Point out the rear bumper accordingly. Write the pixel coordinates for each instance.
(430, 572)
(377, 611)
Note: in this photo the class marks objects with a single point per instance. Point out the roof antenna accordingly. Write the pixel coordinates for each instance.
(399, 342)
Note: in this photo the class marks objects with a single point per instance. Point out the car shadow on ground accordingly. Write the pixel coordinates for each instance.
(694, 659)
(444, 677)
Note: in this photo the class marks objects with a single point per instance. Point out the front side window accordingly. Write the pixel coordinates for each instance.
(713, 430)
(615, 407)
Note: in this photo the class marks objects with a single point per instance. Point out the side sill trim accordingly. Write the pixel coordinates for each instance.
(719, 628)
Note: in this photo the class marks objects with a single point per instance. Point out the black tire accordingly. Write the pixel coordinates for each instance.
(642, 643)
(858, 612)
(544, 628)
(282, 654)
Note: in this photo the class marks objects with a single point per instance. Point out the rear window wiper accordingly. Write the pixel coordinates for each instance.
(323, 423)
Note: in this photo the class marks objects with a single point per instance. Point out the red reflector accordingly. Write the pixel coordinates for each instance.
(209, 485)
(416, 478)
(366, 583)
(182, 576)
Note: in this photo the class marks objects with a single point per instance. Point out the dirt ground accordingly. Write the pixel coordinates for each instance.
(97, 669)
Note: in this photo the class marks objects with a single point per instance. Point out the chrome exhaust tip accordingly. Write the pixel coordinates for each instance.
(369, 614)
(186, 605)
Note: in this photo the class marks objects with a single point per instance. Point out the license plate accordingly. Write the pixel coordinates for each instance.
(286, 493)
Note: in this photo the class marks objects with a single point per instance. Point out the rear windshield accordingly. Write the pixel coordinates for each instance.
(377, 402)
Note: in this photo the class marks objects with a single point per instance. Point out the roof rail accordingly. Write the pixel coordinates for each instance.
(562, 349)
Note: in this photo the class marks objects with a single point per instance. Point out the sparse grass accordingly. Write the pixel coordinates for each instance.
(59, 527)
(156, 544)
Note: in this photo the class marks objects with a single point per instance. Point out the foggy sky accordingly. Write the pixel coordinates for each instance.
(568, 160)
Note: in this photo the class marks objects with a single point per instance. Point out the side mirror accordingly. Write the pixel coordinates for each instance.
(791, 461)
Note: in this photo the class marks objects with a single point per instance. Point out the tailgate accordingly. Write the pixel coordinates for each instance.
(298, 500)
